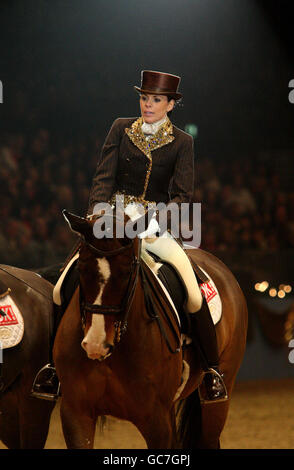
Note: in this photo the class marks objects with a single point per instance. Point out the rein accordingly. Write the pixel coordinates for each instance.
(109, 253)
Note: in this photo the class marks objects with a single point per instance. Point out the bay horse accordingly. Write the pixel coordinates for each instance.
(115, 358)
(24, 421)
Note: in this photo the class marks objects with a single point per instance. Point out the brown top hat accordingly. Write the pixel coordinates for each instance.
(159, 83)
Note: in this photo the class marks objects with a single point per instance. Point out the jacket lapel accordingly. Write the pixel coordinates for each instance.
(163, 136)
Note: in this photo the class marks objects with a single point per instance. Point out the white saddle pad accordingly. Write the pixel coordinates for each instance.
(11, 325)
(212, 297)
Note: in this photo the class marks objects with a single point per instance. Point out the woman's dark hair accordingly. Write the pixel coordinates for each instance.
(169, 98)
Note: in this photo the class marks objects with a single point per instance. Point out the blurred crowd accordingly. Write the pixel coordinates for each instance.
(245, 205)
(38, 180)
(49, 146)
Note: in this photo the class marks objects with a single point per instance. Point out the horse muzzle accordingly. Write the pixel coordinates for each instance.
(97, 351)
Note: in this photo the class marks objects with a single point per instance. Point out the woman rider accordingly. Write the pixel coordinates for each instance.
(148, 159)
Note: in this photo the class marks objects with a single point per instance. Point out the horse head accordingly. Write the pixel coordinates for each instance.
(108, 269)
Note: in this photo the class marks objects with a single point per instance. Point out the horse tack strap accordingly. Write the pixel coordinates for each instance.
(152, 292)
(109, 253)
(101, 309)
(200, 274)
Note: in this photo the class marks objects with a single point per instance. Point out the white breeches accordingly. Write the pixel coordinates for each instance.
(169, 250)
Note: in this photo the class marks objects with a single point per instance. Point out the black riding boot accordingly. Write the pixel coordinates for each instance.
(46, 384)
(204, 337)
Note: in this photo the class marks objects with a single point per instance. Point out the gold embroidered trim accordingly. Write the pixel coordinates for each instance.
(163, 136)
(128, 199)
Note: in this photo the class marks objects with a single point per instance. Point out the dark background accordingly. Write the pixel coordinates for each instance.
(235, 59)
(68, 69)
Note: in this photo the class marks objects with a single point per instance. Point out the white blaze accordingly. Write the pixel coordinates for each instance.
(96, 334)
(104, 268)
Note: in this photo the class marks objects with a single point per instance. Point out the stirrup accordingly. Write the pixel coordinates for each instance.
(37, 392)
(203, 392)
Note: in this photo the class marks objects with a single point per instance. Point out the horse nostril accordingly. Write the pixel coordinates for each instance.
(108, 347)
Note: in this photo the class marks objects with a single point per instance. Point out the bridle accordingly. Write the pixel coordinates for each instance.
(123, 309)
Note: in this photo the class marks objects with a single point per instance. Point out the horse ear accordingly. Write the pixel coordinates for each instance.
(76, 223)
